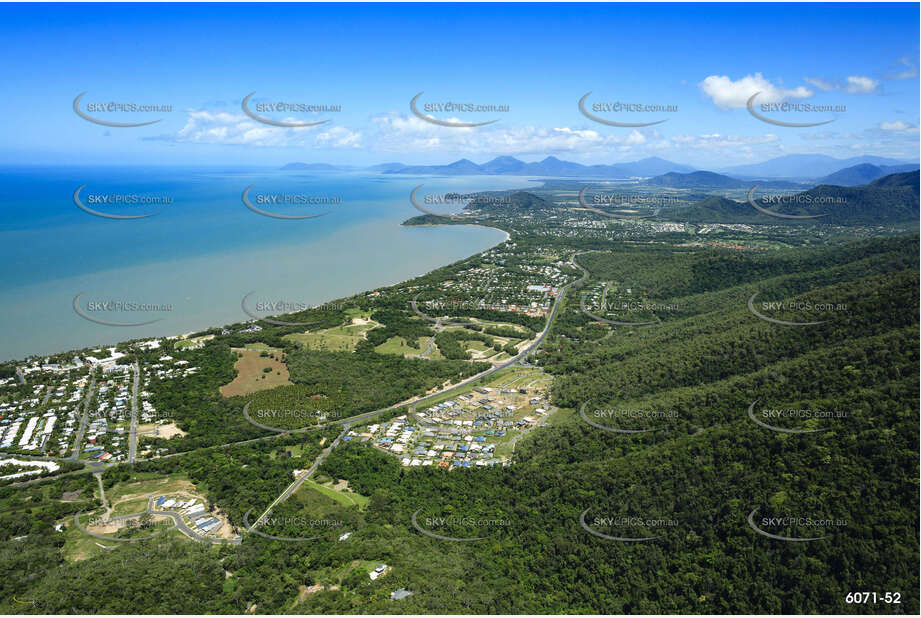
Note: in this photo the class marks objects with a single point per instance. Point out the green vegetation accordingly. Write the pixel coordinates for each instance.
(692, 481)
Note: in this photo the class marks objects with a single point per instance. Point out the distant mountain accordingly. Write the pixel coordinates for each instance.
(891, 199)
(864, 173)
(712, 180)
(803, 166)
(551, 166)
(503, 165)
(696, 180)
(654, 166)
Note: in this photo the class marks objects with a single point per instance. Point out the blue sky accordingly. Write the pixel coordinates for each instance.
(539, 60)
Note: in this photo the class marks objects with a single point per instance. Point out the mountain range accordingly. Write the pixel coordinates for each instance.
(712, 180)
(886, 200)
(551, 166)
(804, 166)
(814, 168)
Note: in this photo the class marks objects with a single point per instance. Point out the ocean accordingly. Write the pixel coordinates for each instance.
(190, 264)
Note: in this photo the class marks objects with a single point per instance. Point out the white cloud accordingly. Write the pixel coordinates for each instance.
(397, 132)
(821, 84)
(207, 127)
(857, 84)
(728, 94)
(909, 71)
(898, 126)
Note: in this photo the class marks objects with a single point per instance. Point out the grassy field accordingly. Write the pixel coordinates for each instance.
(79, 546)
(252, 375)
(129, 507)
(398, 345)
(342, 338)
(146, 484)
(345, 498)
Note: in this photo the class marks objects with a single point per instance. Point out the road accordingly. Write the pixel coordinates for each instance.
(293, 487)
(177, 521)
(78, 443)
(183, 528)
(520, 357)
(133, 432)
(102, 490)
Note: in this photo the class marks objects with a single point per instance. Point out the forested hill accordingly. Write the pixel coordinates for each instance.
(708, 466)
(891, 199)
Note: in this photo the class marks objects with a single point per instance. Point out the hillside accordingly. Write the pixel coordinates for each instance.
(696, 180)
(863, 174)
(803, 166)
(892, 199)
(707, 468)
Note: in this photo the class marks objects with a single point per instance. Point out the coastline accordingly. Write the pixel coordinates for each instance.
(339, 298)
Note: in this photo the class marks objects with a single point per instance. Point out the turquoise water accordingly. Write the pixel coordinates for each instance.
(202, 253)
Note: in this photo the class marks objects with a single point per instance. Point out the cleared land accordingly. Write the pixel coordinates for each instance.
(338, 339)
(342, 496)
(252, 376)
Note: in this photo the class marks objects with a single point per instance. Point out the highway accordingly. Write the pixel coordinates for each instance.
(347, 422)
(520, 357)
(293, 487)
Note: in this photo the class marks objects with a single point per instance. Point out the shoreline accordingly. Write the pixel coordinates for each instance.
(185, 335)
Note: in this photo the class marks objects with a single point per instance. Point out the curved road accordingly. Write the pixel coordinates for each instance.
(177, 522)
